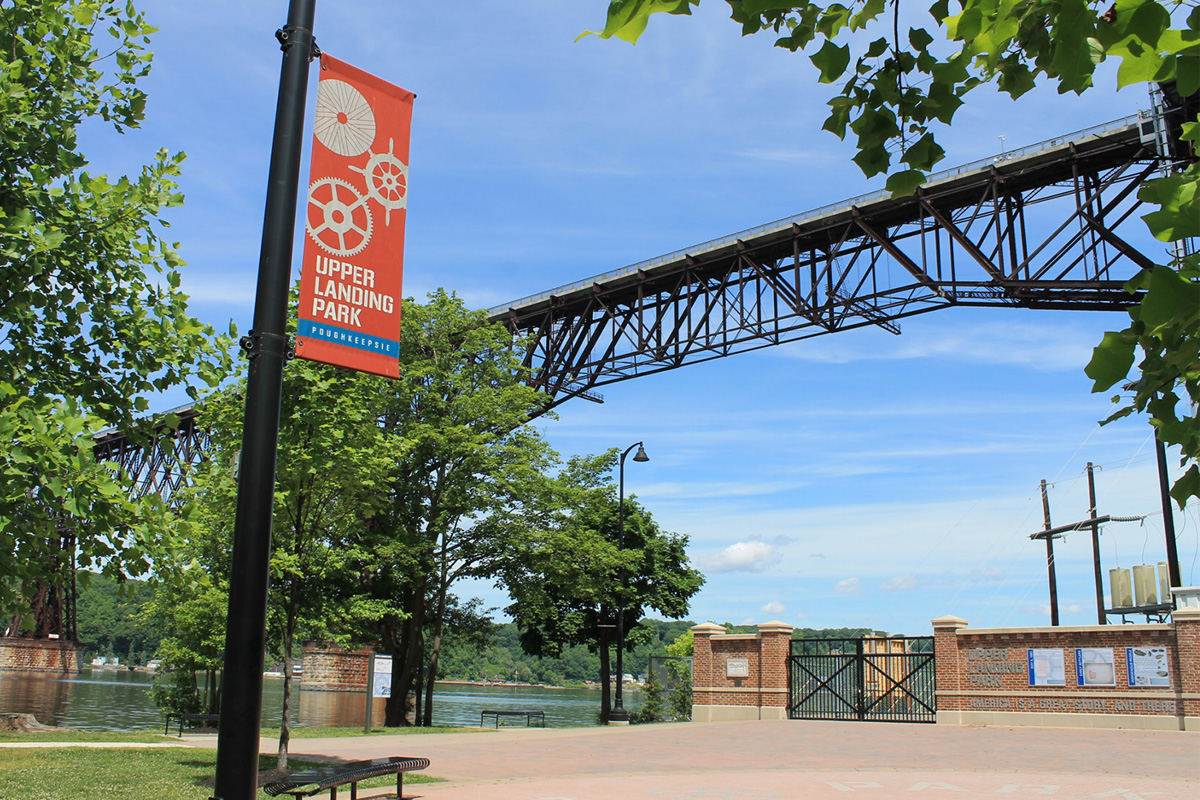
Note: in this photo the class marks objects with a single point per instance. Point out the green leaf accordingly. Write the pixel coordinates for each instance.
(902, 184)
(923, 154)
(1170, 300)
(831, 60)
(1111, 360)
(1186, 486)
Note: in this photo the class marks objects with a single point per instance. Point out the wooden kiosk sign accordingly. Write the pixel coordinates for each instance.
(350, 284)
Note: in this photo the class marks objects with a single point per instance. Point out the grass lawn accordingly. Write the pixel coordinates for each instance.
(141, 737)
(80, 773)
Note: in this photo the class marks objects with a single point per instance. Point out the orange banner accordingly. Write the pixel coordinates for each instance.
(352, 274)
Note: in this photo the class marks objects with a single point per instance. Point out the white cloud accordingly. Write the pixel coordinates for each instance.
(848, 586)
(743, 557)
(774, 607)
(901, 583)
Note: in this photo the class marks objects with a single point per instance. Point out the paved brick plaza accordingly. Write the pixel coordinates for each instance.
(759, 760)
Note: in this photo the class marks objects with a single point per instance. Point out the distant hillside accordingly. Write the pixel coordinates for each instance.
(502, 658)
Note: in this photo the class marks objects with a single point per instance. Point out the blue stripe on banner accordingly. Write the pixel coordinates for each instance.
(347, 338)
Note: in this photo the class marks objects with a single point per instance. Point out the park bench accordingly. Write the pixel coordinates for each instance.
(528, 715)
(214, 718)
(310, 781)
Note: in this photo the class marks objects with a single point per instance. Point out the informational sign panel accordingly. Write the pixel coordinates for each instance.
(1046, 667)
(381, 685)
(1095, 666)
(1147, 666)
(351, 276)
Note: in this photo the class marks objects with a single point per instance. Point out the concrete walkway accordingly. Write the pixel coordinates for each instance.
(785, 759)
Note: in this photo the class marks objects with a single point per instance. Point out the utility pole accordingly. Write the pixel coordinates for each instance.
(245, 632)
(1100, 615)
(1050, 557)
(1164, 485)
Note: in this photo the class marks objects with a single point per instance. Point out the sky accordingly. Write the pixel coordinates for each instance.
(854, 480)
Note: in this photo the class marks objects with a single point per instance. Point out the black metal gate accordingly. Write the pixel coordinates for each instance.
(878, 680)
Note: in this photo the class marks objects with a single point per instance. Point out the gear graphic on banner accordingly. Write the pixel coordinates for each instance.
(387, 180)
(345, 122)
(339, 219)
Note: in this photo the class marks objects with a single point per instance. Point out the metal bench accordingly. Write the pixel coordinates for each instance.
(182, 718)
(528, 715)
(310, 781)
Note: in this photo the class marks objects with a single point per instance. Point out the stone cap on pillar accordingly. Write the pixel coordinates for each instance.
(948, 621)
(1185, 615)
(707, 629)
(775, 626)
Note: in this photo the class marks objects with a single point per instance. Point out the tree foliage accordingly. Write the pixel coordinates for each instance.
(457, 424)
(901, 81)
(331, 466)
(573, 578)
(109, 618)
(92, 319)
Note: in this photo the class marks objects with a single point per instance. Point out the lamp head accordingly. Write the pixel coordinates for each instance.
(640, 455)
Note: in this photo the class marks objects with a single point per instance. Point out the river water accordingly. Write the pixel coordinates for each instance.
(120, 700)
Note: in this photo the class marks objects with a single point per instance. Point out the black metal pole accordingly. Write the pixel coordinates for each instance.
(618, 714)
(1164, 485)
(1101, 617)
(1050, 558)
(245, 632)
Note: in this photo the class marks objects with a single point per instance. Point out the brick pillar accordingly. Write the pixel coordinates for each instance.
(948, 667)
(775, 645)
(702, 669)
(1187, 650)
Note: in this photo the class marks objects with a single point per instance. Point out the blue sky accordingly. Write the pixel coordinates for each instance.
(858, 479)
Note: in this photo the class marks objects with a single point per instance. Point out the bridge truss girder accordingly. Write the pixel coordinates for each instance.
(1056, 230)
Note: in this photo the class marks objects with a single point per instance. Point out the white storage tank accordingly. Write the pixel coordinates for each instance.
(1164, 582)
(1145, 580)
(1120, 586)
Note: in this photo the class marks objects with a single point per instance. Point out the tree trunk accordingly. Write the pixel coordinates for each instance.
(605, 691)
(439, 623)
(407, 661)
(394, 711)
(285, 725)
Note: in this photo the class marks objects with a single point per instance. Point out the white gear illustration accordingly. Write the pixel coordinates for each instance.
(387, 180)
(345, 122)
(338, 218)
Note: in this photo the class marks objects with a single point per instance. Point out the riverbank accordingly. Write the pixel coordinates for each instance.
(109, 699)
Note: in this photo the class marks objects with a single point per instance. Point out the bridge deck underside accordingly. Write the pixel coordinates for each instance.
(1058, 229)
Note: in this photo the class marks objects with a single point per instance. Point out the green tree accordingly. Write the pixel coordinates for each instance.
(110, 620)
(569, 583)
(679, 673)
(330, 472)
(91, 316)
(457, 426)
(191, 612)
(901, 84)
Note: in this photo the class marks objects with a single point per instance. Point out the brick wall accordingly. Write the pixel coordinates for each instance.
(328, 668)
(40, 655)
(983, 675)
(740, 676)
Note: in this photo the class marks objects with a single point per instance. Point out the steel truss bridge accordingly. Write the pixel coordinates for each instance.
(1054, 225)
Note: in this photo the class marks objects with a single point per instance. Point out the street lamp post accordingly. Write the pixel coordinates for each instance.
(618, 715)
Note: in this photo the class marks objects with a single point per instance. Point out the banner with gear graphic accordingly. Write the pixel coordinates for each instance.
(350, 280)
